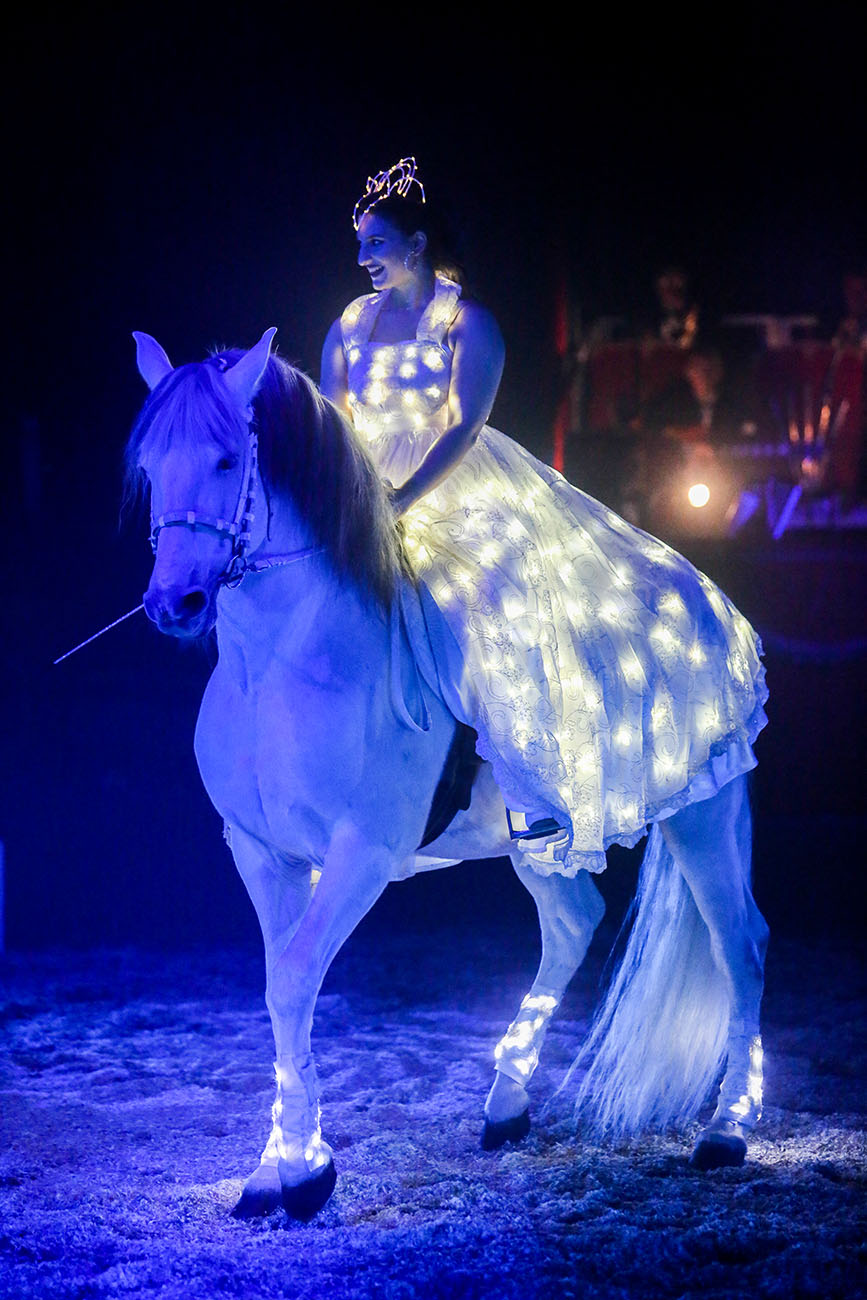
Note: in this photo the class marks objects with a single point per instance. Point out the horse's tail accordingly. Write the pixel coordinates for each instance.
(657, 1042)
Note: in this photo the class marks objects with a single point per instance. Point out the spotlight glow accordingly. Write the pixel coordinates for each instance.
(698, 495)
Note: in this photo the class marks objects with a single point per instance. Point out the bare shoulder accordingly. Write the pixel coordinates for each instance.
(332, 378)
(335, 334)
(477, 326)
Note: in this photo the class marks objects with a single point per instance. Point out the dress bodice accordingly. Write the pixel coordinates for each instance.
(400, 389)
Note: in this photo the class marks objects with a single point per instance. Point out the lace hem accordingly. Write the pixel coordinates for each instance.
(704, 781)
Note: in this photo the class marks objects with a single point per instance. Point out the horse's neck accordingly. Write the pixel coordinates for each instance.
(296, 615)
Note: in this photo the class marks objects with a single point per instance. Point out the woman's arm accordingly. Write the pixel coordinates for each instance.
(477, 366)
(333, 382)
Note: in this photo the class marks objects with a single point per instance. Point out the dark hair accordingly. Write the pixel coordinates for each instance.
(444, 251)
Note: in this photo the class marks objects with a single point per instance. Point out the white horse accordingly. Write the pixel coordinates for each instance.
(324, 748)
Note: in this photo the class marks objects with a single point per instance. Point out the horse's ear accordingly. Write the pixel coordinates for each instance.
(153, 364)
(246, 375)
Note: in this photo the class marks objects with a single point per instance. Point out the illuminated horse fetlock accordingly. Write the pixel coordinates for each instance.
(324, 746)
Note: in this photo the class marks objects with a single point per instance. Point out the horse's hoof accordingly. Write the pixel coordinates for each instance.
(261, 1194)
(723, 1146)
(306, 1199)
(497, 1133)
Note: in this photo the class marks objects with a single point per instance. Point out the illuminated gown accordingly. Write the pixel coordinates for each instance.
(609, 681)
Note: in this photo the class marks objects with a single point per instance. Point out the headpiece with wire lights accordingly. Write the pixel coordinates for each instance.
(397, 179)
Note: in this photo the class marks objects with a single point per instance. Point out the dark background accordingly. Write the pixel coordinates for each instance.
(192, 174)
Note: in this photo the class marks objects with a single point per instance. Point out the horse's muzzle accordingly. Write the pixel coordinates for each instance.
(187, 613)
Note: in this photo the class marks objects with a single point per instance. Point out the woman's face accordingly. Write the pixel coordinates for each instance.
(384, 251)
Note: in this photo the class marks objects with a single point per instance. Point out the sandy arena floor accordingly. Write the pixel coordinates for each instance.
(136, 1086)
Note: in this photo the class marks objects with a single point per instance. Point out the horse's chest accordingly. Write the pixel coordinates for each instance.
(282, 763)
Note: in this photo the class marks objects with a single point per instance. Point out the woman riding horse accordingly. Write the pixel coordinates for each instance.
(610, 686)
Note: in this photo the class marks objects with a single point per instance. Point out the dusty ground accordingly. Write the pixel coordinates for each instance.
(135, 1091)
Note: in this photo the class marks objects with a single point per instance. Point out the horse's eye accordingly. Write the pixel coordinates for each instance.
(227, 462)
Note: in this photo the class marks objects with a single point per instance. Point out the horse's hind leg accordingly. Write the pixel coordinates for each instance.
(569, 911)
(710, 842)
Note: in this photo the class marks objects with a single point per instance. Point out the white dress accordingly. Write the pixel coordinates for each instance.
(609, 681)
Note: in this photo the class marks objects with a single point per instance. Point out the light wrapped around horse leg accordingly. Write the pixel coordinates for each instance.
(304, 1161)
(739, 1107)
(517, 1052)
(296, 1165)
(507, 1117)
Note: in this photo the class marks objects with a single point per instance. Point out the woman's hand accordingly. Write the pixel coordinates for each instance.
(396, 498)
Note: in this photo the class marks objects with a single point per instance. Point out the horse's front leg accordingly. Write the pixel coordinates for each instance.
(280, 892)
(353, 876)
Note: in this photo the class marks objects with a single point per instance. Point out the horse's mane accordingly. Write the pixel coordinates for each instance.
(308, 454)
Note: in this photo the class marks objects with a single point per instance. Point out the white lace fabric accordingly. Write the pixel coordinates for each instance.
(609, 681)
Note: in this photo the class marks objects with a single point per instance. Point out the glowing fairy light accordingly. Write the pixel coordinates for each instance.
(399, 178)
(656, 552)
(622, 736)
(407, 369)
(663, 635)
(672, 603)
(631, 669)
(698, 495)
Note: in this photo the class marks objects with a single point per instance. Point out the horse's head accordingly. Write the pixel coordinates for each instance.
(195, 444)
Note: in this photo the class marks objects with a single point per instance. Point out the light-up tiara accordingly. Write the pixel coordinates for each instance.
(397, 179)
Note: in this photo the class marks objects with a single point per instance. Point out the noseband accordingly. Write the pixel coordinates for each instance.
(240, 526)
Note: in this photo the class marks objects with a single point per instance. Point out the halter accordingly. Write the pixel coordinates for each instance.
(239, 527)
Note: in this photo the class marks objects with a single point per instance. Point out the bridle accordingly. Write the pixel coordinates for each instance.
(239, 528)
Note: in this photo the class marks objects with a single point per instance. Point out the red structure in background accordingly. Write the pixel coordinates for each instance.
(622, 377)
(816, 391)
(563, 414)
